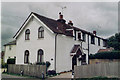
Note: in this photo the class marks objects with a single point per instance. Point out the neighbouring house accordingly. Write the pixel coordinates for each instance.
(42, 39)
(10, 50)
(106, 50)
(2, 54)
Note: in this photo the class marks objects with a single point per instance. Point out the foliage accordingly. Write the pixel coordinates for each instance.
(106, 55)
(3, 64)
(11, 61)
(114, 41)
(48, 64)
(40, 63)
(51, 72)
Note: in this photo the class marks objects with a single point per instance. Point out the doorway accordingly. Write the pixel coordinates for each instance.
(74, 61)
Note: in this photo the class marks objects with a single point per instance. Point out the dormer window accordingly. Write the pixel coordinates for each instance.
(27, 34)
(98, 41)
(84, 36)
(41, 32)
(79, 36)
(92, 39)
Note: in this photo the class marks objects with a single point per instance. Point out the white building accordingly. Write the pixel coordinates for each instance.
(42, 39)
(10, 50)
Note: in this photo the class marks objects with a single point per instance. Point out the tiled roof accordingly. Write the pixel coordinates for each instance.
(55, 26)
(75, 48)
(11, 43)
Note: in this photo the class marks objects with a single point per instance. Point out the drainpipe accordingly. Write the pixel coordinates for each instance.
(88, 49)
(55, 49)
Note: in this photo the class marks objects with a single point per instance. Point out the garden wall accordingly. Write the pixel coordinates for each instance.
(29, 70)
(101, 69)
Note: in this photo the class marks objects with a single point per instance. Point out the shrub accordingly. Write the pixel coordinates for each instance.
(106, 55)
(51, 72)
(47, 64)
(11, 61)
(40, 63)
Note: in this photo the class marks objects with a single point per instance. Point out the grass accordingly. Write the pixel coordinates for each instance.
(19, 75)
(98, 78)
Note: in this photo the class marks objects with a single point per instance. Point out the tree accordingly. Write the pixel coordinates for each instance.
(114, 41)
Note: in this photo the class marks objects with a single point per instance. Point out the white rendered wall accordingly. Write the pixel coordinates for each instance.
(10, 53)
(47, 44)
(64, 46)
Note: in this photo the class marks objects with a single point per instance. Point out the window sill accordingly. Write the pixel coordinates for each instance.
(93, 43)
(41, 38)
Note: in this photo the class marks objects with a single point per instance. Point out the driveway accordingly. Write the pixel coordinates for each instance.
(64, 75)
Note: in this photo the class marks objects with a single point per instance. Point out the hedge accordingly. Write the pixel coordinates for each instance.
(106, 55)
(11, 61)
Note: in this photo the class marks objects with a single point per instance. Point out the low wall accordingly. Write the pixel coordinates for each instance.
(101, 69)
(29, 70)
(96, 61)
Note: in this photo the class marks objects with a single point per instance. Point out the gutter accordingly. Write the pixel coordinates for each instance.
(55, 49)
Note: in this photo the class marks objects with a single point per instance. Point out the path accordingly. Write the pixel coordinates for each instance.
(64, 75)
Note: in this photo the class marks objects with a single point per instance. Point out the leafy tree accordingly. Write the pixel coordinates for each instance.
(106, 55)
(114, 41)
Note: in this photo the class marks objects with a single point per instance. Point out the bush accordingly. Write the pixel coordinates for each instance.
(51, 72)
(11, 61)
(40, 63)
(47, 64)
(106, 55)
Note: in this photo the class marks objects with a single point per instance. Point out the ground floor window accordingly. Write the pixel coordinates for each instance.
(40, 55)
(26, 57)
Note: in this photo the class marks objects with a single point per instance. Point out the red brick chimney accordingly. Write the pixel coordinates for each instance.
(70, 23)
(61, 18)
(94, 32)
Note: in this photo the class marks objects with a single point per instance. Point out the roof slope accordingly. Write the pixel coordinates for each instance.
(56, 26)
(11, 43)
(75, 48)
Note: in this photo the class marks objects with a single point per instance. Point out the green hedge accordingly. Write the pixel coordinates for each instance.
(106, 55)
(11, 61)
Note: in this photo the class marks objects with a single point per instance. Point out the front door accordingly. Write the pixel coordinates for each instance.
(74, 61)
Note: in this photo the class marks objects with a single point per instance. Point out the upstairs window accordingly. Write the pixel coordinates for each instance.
(98, 41)
(40, 55)
(41, 32)
(84, 36)
(27, 34)
(79, 36)
(92, 39)
(26, 57)
(104, 43)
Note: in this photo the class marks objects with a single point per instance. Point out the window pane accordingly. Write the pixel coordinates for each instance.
(41, 32)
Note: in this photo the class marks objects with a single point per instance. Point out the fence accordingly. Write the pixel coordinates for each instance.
(101, 69)
(29, 70)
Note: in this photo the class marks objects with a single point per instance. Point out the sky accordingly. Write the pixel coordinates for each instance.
(90, 16)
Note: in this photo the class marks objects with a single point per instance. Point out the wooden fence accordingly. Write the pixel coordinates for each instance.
(29, 70)
(102, 69)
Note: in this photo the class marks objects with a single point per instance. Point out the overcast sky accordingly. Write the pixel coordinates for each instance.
(99, 16)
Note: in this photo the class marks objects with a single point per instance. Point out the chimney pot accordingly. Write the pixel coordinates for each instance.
(94, 32)
(61, 16)
(70, 23)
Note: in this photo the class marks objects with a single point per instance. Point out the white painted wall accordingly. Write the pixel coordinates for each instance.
(10, 52)
(64, 46)
(47, 44)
